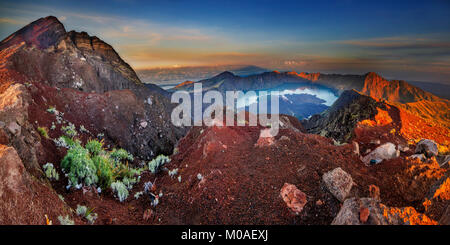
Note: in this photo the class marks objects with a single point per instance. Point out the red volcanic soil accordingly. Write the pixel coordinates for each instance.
(241, 181)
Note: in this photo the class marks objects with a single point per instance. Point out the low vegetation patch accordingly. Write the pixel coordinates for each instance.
(92, 164)
(43, 132)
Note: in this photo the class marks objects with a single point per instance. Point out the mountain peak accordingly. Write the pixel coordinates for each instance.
(225, 74)
(42, 33)
(373, 75)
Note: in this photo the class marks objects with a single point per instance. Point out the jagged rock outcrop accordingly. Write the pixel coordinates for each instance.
(16, 129)
(340, 119)
(43, 53)
(427, 147)
(395, 90)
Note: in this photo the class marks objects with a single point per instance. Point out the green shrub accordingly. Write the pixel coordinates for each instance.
(66, 142)
(93, 165)
(155, 164)
(43, 132)
(120, 155)
(130, 181)
(65, 220)
(120, 190)
(84, 212)
(80, 167)
(94, 147)
(50, 171)
(70, 130)
(138, 194)
(81, 210)
(105, 171)
(173, 172)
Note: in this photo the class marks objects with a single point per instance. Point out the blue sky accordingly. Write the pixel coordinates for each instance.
(398, 39)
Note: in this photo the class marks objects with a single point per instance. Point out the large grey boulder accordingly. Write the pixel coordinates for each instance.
(383, 152)
(338, 182)
(427, 147)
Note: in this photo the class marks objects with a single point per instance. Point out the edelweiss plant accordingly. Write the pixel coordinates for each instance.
(155, 164)
(50, 171)
(120, 189)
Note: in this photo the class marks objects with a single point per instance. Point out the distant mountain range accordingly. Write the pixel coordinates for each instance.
(407, 96)
(173, 76)
(440, 89)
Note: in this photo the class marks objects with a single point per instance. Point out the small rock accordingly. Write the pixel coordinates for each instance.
(422, 157)
(265, 138)
(144, 124)
(363, 214)
(403, 148)
(294, 198)
(338, 182)
(376, 142)
(427, 147)
(356, 148)
(14, 128)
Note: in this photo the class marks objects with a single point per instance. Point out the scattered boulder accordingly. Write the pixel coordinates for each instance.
(338, 182)
(422, 157)
(14, 128)
(427, 147)
(383, 152)
(360, 211)
(294, 198)
(369, 211)
(265, 138)
(443, 160)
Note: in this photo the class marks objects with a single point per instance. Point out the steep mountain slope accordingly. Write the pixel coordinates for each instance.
(44, 55)
(394, 91)
(51, 79)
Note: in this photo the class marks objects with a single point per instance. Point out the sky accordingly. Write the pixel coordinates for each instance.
(406, 40)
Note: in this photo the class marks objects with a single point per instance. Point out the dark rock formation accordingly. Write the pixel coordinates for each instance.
(339, 120)
(44, 53)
